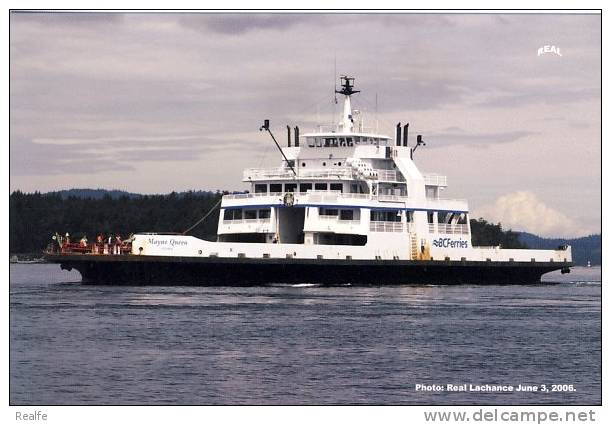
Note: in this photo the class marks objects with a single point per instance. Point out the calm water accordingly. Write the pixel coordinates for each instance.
(79, 344)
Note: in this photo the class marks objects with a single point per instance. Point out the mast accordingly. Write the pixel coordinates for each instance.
(347, 123)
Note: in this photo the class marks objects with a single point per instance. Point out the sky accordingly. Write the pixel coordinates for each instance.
(161, 102)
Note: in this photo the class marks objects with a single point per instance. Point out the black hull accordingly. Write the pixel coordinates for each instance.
(149, 270)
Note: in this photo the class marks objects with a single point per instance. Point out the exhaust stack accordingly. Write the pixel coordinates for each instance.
(296, 136)
(398, 137)
(405, 130)
(288, 135)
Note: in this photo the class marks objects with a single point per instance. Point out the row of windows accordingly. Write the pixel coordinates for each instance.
(346, 214)
(248, 214)
(334, 142)
(292, 187)
(343, 214)
(392, 215)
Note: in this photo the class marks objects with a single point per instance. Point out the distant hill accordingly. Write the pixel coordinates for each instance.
(584, 249)
(115, 194)
(94, 193)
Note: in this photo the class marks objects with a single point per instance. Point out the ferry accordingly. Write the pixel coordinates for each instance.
(345, 205)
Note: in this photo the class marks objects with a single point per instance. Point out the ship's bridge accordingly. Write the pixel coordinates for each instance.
(344, 140)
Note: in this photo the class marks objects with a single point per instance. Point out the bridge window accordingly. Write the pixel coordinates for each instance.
(391, 215)
(337, 186)
(260, 188)
(330, 142)
(290, 187)
(250, 214)
(328, 211)
(320, 186)
(275, 188)
(264, 213)
(311, 142)
(342, 141)
(347, 214)
(304, 187)
(233, 214)
(349, 141)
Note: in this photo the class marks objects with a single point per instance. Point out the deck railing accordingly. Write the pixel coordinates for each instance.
(386, 226)
(334, 173)
(449, 229)
(333, 195)
(435, 180)
(389, 175)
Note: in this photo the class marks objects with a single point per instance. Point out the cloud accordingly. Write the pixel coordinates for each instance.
(47, 156)
(523, 211)
(460, 137)
(237, 23)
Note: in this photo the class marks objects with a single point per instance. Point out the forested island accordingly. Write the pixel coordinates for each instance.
(35, 217)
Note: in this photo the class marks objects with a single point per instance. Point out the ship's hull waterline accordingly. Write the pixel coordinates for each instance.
(161, 270)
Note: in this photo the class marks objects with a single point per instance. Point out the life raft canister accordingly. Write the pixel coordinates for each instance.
(289, 199)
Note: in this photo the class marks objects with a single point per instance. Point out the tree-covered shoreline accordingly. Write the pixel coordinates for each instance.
(35, 217)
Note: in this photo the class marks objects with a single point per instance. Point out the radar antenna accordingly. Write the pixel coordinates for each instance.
(347, 86)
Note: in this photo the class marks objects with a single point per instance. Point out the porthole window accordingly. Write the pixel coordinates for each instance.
(303, 164)
(339, 164)
(324, 164)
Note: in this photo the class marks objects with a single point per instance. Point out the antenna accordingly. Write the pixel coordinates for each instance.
(335, 77)
(334, 111)
(377, 112)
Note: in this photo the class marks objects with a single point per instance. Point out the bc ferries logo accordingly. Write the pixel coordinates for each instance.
(450, 243)
(543, 50)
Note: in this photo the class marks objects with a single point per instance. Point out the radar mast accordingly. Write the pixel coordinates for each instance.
(347, 89)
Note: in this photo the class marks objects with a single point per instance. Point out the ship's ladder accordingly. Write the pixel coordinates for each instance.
(414, 246)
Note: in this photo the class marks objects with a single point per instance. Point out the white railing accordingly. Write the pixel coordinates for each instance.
(336, 195)
(435, 180)
(389, 176)
(267, 173)
(386, 226)
(334, 173)
(326, 128)
(338, 219)
(452, 229)
(252, 195)
(287, 173)
(332, 195)
(393, 198)
(343, 173)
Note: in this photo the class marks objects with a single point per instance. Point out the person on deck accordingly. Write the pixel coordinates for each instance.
(118, 244)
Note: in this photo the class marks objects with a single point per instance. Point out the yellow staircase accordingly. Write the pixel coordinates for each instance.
(414, 246)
